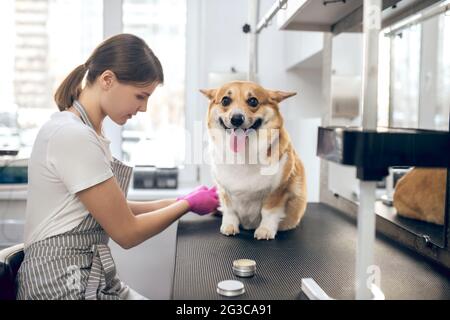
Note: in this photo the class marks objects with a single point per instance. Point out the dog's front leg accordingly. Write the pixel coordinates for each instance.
(230, 221)
(272, 212)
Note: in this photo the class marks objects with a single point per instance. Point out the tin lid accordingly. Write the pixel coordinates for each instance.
(244, 265)
(230, 288)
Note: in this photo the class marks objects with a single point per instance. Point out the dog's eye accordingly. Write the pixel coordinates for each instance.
(226, 101)
(252, 102)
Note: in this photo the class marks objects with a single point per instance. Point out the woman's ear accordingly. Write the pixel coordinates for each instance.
(279, 96)
(209, 93)
(107, 79)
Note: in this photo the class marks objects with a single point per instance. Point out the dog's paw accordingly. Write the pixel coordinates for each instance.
(229, 230)
(262, 233)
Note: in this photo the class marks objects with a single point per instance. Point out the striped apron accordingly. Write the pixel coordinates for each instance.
(76, 264)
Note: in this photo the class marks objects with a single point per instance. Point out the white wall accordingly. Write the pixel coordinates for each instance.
(223, 45)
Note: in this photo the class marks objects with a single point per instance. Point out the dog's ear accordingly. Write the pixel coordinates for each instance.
(209, 93)
(279, 96)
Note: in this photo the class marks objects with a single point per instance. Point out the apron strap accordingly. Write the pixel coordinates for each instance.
(102, 266)
(77, 105)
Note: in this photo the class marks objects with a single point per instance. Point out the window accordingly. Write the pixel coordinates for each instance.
(414, 93)
(418, 88)
(35, 58)
(405, 75)
(441, 119)
(157, 136)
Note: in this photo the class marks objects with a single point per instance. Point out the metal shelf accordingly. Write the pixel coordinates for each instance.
(337, 17)
(373, 152)
(421, 229)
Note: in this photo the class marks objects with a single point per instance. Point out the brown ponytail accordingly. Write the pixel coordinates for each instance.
(128, 56)
(70, 88)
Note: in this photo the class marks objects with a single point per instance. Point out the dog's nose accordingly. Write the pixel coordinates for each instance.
(237, 119)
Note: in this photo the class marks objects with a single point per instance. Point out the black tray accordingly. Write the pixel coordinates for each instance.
(374, 151)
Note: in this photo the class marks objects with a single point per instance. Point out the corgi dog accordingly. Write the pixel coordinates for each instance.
(260, 179)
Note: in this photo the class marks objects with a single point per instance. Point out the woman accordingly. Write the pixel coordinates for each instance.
(77, 190)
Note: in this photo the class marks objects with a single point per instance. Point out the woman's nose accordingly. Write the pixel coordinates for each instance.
(143, 108)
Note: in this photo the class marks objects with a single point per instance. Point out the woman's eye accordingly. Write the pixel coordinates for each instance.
(226, 101)
(252, 102)
(140, 97)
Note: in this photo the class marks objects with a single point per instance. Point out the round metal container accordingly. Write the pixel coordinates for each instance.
(230, 288)
(244, 267)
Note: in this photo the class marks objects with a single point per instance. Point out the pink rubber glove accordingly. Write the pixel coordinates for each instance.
(203, 201)
(202, 187)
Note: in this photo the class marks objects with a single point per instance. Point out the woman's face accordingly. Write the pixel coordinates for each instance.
(122, 101)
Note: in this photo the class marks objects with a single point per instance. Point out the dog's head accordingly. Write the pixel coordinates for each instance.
(244, 105)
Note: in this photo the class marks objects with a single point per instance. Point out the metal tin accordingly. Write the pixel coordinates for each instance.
(230, 288)
(244, 268)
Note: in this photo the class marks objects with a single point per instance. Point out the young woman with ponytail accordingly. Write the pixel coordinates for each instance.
(77, 190)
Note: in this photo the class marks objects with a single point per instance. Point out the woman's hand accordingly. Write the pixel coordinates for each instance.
(202, 200)
(202, 187)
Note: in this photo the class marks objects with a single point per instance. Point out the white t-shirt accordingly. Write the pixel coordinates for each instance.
(67, 157)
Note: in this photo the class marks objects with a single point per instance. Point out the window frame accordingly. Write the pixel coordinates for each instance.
(113, 24)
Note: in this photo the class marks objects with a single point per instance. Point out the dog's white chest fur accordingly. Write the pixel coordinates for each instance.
(246, 186)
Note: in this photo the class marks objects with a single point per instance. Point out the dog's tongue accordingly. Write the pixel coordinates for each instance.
(237, 140)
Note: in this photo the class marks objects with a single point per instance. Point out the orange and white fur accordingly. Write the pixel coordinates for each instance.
(263, 187)
(420, 195)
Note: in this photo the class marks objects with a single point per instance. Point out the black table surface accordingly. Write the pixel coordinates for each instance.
(323, 247)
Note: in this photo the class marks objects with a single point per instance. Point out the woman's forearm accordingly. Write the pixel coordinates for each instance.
(150, 224)
(139, 207)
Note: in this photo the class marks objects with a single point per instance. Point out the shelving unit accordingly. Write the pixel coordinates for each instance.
(427, 231)
(337, 17)
(374, 151)
(305, 50)
(370, 149)
(310, 15)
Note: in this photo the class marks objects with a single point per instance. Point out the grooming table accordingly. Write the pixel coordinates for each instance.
(322, 247)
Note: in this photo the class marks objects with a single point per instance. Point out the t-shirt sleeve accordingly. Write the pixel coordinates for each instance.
(77, 158)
